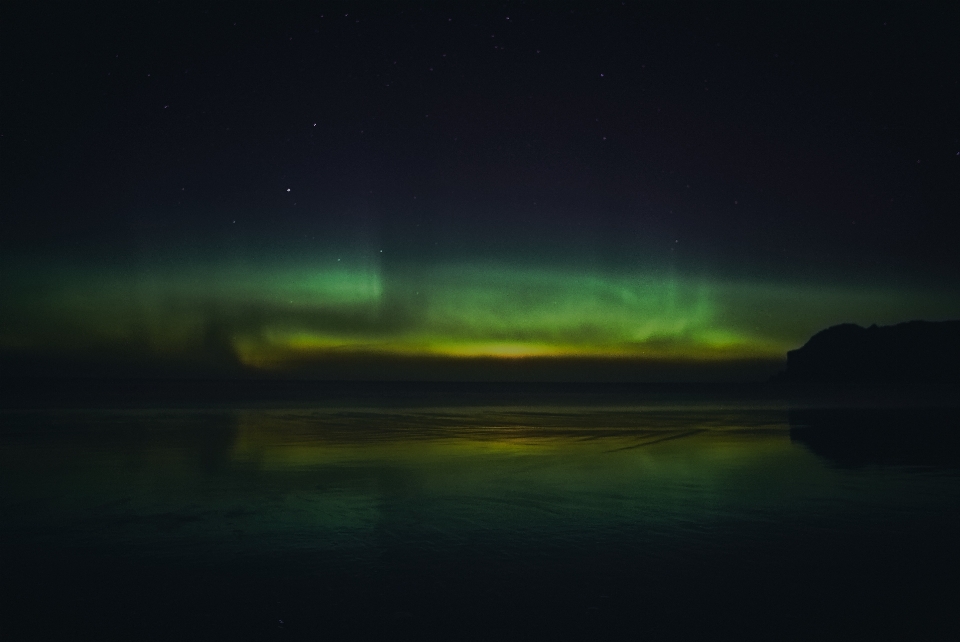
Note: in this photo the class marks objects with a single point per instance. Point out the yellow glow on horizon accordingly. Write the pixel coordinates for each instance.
(278, 350)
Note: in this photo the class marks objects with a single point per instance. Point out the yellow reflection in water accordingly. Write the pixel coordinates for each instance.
(353, 479)
(587, 449)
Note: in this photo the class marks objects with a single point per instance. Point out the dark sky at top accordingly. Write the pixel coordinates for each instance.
(792, 142)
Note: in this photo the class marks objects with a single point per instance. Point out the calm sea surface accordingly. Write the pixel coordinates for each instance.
(660, 518)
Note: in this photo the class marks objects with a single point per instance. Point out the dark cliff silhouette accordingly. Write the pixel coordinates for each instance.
(912, 352)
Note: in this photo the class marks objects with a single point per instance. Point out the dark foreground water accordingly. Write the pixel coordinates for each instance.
(638, 517)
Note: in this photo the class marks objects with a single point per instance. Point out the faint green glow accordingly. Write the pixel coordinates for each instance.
(278, 316)
(484, 311)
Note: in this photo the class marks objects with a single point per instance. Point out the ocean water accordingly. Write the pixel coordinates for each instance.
(481, 516)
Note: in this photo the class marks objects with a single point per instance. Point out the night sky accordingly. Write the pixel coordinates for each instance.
(634, 191)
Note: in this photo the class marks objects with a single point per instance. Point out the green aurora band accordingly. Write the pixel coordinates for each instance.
(292, 317)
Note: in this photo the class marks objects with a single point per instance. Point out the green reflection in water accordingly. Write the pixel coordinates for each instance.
(560, 519)
(357, 482)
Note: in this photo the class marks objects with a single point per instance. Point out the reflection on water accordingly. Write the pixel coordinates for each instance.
(880, 436)
(467, 522)
(313, 480)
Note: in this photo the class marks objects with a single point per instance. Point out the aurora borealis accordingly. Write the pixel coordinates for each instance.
(599, 192)
(234, 317)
